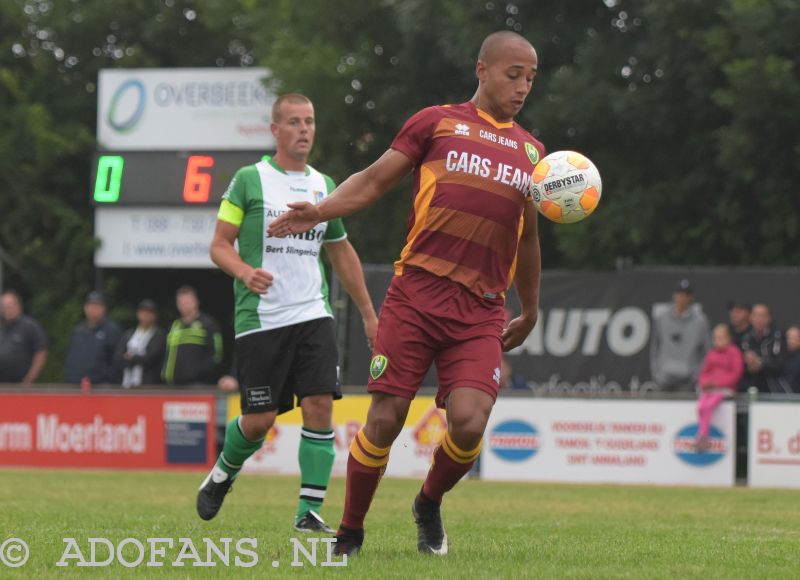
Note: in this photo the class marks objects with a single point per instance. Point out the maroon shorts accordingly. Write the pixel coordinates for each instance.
(426, 319)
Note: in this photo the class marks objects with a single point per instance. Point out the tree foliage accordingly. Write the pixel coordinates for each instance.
(50, 53)
(688, 108)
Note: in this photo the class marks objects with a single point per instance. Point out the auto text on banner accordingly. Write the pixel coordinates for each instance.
(410, 456)
(774, 445)
(604, 441)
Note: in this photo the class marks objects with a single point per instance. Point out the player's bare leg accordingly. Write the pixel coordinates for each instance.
(243, 437)
(369, 454)
(315, 456)
(468, 412)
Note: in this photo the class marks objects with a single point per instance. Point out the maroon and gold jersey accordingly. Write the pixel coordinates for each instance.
(472, 178)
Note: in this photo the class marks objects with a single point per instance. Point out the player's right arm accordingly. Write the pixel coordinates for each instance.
(224, 255)
(229, 221)
(355, 193)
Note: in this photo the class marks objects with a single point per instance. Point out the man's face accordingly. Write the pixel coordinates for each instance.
(681, 300)
(793, 338)
(739, 316)
(760, 318)
(294, 132)
(11, 307)
(187, 304)
(507, 78)
(94, 311)
(146, 317)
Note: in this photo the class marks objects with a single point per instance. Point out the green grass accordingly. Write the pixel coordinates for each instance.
(496, 530)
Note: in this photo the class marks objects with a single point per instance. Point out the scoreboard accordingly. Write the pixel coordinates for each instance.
(165, 178)
(169, 142)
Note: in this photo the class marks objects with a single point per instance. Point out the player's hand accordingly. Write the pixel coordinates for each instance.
(371, 330)
(301, 217)
(228, 383)
(257, 280)
(517, 331)
(753, 361)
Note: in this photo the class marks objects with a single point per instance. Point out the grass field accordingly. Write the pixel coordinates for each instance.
(496, 530)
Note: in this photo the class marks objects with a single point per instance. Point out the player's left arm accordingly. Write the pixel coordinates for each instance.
(347, 267)
(526, 281)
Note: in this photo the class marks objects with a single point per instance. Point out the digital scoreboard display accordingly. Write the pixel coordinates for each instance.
(165, 178)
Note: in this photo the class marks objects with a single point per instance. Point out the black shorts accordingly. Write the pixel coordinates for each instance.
(276, 365)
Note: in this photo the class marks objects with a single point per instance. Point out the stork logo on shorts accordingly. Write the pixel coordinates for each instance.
(533, 153)
(378, 366)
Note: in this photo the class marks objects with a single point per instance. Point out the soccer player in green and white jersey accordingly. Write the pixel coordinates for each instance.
(285, 344)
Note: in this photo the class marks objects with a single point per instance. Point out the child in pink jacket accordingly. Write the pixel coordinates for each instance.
(721, 372)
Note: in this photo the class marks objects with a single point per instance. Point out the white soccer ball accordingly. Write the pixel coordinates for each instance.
(566, 187)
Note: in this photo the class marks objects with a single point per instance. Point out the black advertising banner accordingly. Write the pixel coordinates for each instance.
(593, 333)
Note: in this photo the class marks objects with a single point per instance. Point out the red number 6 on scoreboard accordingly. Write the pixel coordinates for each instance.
(197, 185)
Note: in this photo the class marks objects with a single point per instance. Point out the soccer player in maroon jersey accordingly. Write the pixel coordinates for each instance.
(471, 232)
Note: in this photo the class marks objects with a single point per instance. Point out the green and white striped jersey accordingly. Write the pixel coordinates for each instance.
(299, 292)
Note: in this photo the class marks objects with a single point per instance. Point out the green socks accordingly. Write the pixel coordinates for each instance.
(236, 449)
(316, 456)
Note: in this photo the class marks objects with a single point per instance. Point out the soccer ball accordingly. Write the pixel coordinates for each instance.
(566, 187)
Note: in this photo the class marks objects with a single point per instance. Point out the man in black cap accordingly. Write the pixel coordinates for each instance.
(140, 352)
(679, 340)
(91, 347)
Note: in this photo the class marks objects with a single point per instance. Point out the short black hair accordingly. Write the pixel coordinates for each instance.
(186, 289)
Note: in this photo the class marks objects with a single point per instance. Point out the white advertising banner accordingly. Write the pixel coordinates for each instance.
(410, 456)
(774, 445)
(603, 441)
(184, 108)
(144, 237)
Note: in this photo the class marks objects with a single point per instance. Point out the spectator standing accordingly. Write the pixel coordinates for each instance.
(91, 347)
(763, 347)
(23, 344)
(194, 344)
(791, 363)
(722, 370)
(140, 352)
(738, 321)
(678, 342)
